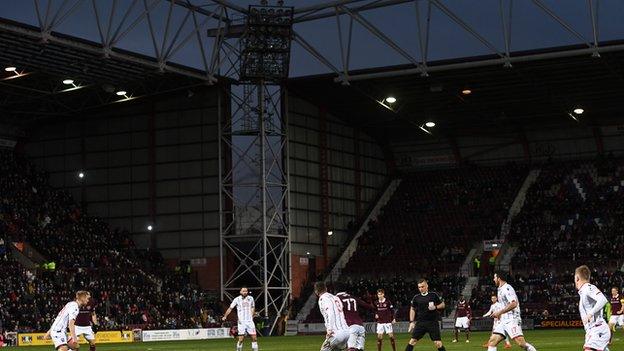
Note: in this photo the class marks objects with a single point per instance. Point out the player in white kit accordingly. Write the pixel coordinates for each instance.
(510, 321)
(591, 303)
(67, 319)
(496, 306)
(331, 308)
(245, 309)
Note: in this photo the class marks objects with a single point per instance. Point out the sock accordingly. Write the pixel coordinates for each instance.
(456, 332)
(491, 348)
(92, 348)
(442, 348)
(239, 346)
(254, 345)
(530, 347)
(393, 344)
(409, 347)
(379, 341)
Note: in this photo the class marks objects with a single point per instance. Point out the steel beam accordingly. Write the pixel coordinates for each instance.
(483, 63)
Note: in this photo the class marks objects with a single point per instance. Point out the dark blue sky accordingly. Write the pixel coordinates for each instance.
(531, 29)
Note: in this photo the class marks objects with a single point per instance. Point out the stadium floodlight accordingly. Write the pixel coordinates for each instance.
(121, 93)
(307, 252)
(265, 49)
(391, 99)
(330, 233)
(150, 228)
(81, 175)
(578, 111)
(68, 81)
(466, 91)
(430, 124)
(10, 69)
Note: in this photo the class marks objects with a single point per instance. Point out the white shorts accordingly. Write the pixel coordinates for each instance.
(338, 341)
(58, 338)
(384, 328)
(246, 328)
(87, 331)
(462, 323)
(357, 337)
(597, 337)
(617, 320)
(511, 327)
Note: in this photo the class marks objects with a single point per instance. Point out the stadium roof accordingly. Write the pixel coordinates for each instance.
(154, 46)
(541, 89)
(36, 88)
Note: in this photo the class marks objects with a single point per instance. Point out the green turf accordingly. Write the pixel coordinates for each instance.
(543, 340)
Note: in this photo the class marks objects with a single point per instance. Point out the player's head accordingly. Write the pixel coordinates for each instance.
(582, 274)
(381, 293)
(244, 291)
(320, 288)
(461, 298)
(82, 297)
(494, 298)
(500, 278)
(615, 291)
(423, 286)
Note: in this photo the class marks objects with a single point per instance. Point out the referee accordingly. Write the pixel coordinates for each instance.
(424, 316)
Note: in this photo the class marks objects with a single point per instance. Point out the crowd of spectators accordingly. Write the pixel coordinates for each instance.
(132, 287)
(434, 218)
(573, 213)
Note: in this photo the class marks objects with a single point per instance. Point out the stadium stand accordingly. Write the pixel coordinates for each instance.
(457, 206)
(86, 254)
(579, 205)
(426, 229)
(573, 213)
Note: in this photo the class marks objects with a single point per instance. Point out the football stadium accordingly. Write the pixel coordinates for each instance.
(312, 175)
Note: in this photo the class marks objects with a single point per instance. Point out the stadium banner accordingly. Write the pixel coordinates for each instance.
(185, 334)
(102, 337)
(558, 323)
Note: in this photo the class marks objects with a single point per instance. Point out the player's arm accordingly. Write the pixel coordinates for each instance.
(489, 312)
(364, 304)
(601, 301)
(412, 319)
(94, 323)
(513, 304)
(621, 309)
(72, 330)
(395, 311)
(469, 310)
(330, 318)
(229, 310)
(440, 305)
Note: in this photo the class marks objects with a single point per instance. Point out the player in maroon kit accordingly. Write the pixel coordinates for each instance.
(617, 309)
(86, 323)
(464, 315)
(384, 316)
(350, 306)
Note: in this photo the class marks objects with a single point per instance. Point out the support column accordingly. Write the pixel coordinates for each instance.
(324, 177)
(357, 169)
(598, 139)
(151, 130)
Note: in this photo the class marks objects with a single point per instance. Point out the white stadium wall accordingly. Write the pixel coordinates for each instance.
(345, 146)
(163, 149)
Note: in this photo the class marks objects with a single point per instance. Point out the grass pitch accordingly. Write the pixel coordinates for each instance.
(543, 340)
